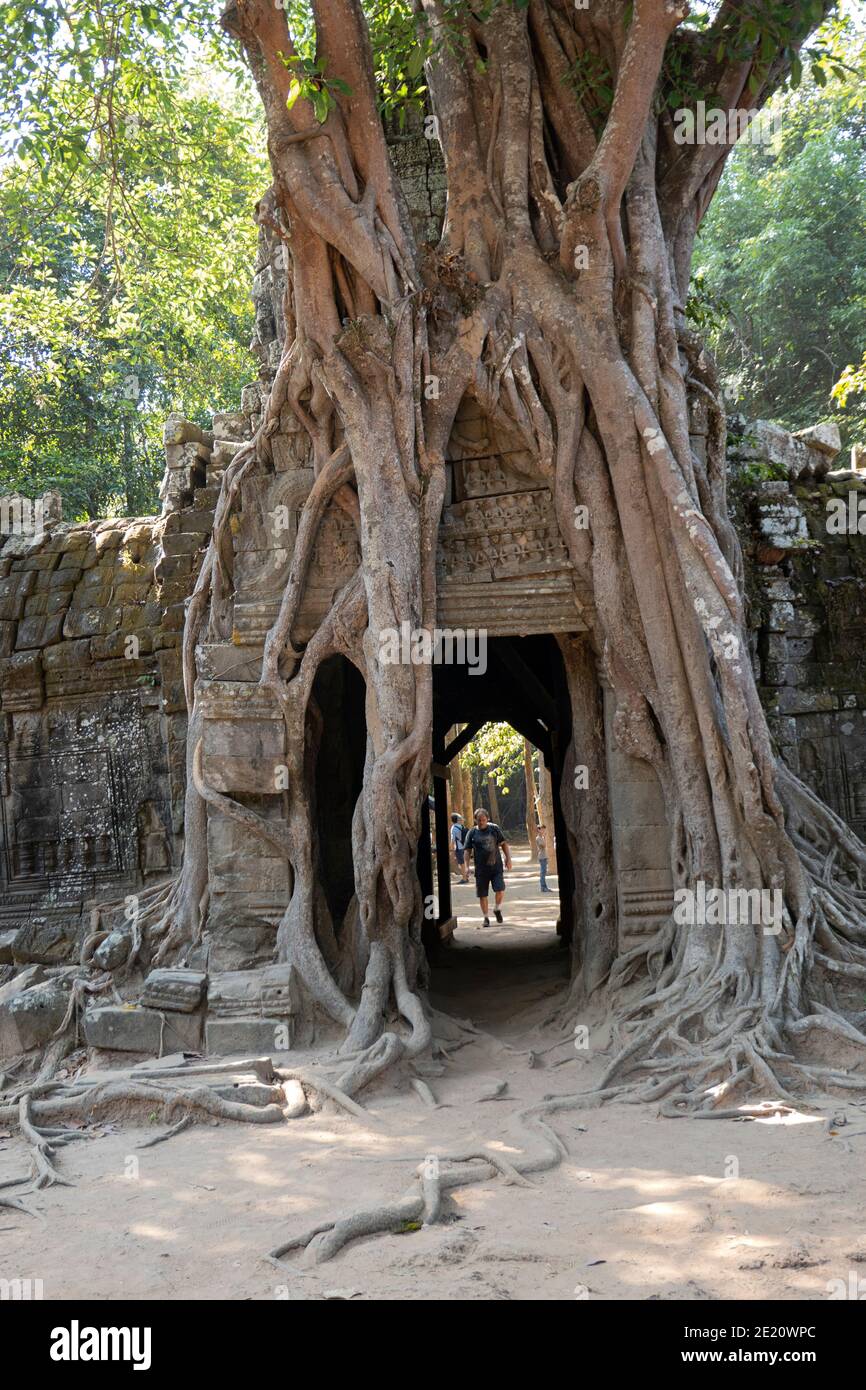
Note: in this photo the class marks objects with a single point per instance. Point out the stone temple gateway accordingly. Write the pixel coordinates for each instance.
(94, 716)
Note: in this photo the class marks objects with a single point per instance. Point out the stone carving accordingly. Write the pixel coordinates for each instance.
(178, 991)
(266, 992)
(502, 537)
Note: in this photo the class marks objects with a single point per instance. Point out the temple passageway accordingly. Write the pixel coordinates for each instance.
(492, 974)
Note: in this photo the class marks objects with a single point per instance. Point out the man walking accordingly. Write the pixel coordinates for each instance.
(483, 843)
(541, 842)
(458, 835)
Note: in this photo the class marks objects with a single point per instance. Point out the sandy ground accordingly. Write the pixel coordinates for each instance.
(643, 1207)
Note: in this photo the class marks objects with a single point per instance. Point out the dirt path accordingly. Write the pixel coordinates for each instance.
(642, 1208)
(491, 974)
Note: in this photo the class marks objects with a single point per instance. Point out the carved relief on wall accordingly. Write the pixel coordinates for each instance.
(501, 536)
(265, 539)
(838, 775)
(61, 815)
(264, 545)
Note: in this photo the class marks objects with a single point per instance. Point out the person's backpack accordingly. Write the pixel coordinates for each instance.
(462, 840)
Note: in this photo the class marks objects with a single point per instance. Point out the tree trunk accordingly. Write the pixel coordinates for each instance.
(466, 775)
(529, 784)
(555, 300)
(492, 798)
(545, 797)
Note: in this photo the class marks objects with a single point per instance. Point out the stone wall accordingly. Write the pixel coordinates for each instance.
(92, 762)
(806, 583)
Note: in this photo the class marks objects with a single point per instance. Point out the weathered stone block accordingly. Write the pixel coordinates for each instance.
(91, 622)
(29, 1016)
(113, 951)
(67, 654)
(13, 591)
(181, 543)
(249, 1035)
(43, 940)
(39, 632)
(117, 1028)
(175, 591)
(244, 756)
(241, 992)
(824, 438)
(193, 520)
(230, 425)
(251, 1093)
(179, 991)
(22, 681)
(63, 580)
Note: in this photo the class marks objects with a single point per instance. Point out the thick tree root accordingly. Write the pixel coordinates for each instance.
(14, 1205)
(423, 1201)
(91, 1102)
(42, 1143)
(167, 1134)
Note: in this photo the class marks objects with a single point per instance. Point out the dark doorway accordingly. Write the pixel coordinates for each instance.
(523, 685)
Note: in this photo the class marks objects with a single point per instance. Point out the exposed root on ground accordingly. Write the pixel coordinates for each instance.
(424, 1201)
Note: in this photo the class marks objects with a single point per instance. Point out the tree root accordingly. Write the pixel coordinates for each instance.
(168, 1134)
(423, 1200)
(313, 1082)
(107, 1096)
(14, 1205)
(42, 1143)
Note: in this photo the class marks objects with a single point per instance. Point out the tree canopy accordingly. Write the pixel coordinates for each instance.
(780, 265)
(133, 153)
(131, 168)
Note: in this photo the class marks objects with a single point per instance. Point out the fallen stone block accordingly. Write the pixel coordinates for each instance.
(112, 952)
(30, 1015)
(116, 1028)
(267, 992)
(251, 1093)
(252, 1036)
(41, 940)
(178, 991)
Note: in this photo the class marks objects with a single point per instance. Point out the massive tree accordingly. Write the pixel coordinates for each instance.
(556, 300)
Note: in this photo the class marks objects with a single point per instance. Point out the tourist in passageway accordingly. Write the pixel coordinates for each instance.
(458, 835)
(541, 842)
(483, 845)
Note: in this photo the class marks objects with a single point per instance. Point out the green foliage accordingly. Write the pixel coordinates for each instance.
(311, 82)
(777, 40)
(780, 269)
(752, 473)
(126, 246)
(591, 79)
(498, 749)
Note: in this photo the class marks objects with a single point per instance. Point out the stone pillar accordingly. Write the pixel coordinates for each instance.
(641, 839)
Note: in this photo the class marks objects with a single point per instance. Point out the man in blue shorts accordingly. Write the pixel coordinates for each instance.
(483, 843)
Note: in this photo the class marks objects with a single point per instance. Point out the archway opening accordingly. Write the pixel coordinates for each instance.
(514, 698)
